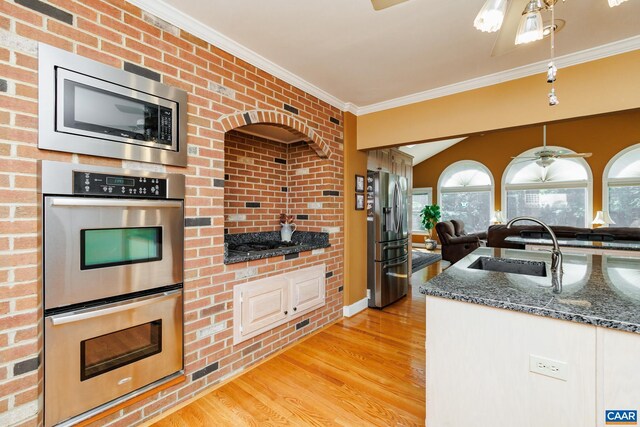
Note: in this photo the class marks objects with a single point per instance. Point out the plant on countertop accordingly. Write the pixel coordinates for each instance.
(286, 219)
(429, 216)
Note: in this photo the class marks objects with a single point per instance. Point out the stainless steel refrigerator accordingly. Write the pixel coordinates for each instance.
(387, 238)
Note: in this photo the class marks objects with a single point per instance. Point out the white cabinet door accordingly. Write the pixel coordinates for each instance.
(264, 304)
(307, 289)
(618, 371)
(478, 368)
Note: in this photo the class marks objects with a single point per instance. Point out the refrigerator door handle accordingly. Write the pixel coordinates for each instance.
(386, 248)
(395, 264)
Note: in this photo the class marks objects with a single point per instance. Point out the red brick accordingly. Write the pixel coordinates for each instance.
(117, 25)
(43, 36)
(103, 7)
(21, 13)
(99, 30)
(99, 56)
(120, 52)
(71, 33)
(76, 8)
(142, 25)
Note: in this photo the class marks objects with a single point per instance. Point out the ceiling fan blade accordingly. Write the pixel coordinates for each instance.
(524, 161)
(383, 4)
(573, 155)
(507, 35)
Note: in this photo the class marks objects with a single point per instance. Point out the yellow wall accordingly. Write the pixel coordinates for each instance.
(355, 222)
(604, 136)
(605, 85)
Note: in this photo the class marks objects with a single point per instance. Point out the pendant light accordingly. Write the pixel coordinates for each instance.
(530, 27)
(490, 17)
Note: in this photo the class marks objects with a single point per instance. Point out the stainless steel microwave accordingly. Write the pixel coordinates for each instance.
(90, 108)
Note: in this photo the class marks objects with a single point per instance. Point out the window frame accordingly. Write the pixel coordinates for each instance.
(588, 184)
(417, 192)
(471, 188)
(625, 182)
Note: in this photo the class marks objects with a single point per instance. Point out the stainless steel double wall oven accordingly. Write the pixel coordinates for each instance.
(113, 271)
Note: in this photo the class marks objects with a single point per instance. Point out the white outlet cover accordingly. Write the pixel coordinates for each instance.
(548, 367)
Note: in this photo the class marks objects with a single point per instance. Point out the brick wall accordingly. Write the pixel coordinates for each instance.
(255, 187)
(224, 93)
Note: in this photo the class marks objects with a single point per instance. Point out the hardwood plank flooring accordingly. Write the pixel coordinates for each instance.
(365, 370)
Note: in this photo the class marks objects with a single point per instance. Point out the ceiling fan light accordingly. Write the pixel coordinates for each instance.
(490, 17)
(545, 161)
(530, 28)
(614, 3)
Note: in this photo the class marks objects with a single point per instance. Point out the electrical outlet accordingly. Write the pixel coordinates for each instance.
(550, 368)
(368, 293)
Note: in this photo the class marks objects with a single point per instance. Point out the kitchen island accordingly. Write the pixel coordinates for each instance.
(503, 349)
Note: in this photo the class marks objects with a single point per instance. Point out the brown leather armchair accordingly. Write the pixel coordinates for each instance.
(456, 244)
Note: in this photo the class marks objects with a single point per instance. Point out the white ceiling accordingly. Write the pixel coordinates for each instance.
(356, 58)
(422, 152)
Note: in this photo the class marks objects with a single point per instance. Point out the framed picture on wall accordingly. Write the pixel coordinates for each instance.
(359, 184)
(359, 202)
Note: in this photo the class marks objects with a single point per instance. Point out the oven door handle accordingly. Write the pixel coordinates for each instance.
(115, 203)
(76, 316)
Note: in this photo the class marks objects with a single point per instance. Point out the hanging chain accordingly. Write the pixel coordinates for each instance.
(552, 70)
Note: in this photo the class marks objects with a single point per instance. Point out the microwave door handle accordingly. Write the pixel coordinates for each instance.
(61, 319)
(115, 203)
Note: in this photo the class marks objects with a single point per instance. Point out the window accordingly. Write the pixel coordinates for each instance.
(559, 194)
(465, 192)
(421, 197)
(622, 187)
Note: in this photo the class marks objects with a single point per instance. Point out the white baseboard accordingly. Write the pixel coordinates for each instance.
(355, 308)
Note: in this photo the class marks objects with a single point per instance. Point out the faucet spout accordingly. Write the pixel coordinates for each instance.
(556, 255)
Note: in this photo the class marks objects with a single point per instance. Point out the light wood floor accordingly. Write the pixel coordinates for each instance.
(365, 370)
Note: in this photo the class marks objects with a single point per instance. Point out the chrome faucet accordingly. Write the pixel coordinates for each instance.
(556, 255)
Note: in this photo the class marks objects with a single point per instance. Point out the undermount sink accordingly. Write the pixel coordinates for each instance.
(504, 265)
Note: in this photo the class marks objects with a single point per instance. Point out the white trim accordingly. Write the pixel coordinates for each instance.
(606, 182)
(587, 55)
(355, 308)
(182, 20)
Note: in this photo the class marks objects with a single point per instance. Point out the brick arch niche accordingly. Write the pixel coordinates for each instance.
(280, 119)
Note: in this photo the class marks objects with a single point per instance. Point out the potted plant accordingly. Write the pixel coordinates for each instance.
(430, 215)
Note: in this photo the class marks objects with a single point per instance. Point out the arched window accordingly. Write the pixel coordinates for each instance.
(558, 194)
(621, 187)
(465, 192)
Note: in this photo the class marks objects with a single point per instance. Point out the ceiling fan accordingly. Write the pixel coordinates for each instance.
(547, 156)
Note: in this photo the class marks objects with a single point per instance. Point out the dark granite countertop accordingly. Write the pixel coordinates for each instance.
(623, 245)
(601, 290)
(304, 241)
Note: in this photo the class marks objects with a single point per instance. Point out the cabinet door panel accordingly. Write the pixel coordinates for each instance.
(618, 373)
(263, 305)
(307, 289)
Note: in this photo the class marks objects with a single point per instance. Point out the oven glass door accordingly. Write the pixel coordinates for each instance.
(115, 349)
(119, 246)
(98, 248)
(95, 108)
(95, 355)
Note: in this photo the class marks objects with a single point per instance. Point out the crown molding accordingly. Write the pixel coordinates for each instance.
(182, 20)
(598, 52)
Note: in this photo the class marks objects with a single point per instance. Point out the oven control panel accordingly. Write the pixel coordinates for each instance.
(99, 184)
